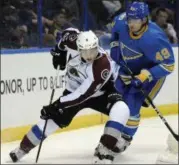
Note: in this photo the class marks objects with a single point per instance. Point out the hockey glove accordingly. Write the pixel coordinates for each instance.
(143, 78)
(59, 58)
(49, 111)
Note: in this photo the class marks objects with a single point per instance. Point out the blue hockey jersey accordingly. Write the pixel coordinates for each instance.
(151, 50)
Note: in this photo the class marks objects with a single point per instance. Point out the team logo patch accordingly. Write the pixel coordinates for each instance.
(104, 74)
(74, 72)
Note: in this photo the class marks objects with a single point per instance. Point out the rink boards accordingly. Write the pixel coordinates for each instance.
(27, 78)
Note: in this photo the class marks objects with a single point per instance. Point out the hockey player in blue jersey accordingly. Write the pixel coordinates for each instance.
(144, 48)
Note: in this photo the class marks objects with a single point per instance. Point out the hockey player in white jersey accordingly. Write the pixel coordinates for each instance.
(89, 75)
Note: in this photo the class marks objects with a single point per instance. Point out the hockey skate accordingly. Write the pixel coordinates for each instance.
(103, 155)
(17, 154)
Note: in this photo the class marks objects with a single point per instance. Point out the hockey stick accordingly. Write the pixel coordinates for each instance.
(51, 99)
(153, 106)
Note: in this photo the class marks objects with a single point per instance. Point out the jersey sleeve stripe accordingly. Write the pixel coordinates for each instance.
(168, 68)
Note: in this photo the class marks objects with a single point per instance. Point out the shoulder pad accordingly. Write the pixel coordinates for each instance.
(119, 20)
(122, 16)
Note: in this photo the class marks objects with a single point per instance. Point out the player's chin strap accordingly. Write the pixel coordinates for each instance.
(152, 104)
(51, 99)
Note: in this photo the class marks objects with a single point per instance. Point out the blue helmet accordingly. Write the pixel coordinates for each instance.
(137, 10)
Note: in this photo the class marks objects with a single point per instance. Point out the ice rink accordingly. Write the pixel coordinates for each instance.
(77, 147)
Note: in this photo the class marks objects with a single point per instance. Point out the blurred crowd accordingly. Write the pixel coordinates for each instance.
(19, 19)
(162, 13)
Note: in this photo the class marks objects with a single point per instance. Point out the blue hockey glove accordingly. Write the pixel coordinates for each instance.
(141, 79)
(137, 83)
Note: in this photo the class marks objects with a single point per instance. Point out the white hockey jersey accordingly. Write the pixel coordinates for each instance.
(84, 80)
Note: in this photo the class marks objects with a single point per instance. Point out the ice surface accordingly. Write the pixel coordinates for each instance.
(77, 147)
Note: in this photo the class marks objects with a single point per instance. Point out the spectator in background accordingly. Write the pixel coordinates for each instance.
(10, 17)
(9, 21)
(161, 17)
(112, 6)
(17, 40)
(60, 22)
(72, 7)
(98, 15)
(170, 4)
(49, 40)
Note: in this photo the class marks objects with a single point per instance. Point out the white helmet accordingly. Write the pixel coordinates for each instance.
(87, 40)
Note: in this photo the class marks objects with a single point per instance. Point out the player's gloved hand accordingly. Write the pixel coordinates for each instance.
(51, 110)
(137, 83)
(141, 79)
(59, 57)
